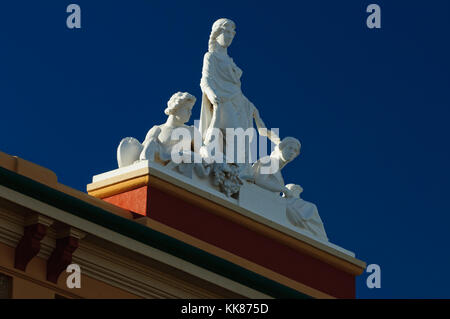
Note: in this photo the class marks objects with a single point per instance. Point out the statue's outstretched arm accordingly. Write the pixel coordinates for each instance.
(267, 182)
(262, 129)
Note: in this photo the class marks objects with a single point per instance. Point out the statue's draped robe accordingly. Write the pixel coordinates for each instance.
(222, 76)
(305, 215)
(299, 212)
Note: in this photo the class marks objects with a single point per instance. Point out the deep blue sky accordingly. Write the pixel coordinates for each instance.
(371, 107)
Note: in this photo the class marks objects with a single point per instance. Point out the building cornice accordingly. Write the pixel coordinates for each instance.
(139, 238)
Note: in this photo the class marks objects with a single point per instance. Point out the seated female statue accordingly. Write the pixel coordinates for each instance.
(159, 142)
(267, 170)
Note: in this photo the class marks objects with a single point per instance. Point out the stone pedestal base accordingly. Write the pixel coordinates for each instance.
(253, 228)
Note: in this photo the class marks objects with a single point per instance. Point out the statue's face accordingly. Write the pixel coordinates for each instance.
(184, 113)
(226, 36)
(289, 152)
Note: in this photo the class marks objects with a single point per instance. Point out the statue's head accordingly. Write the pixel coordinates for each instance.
(288, 149)
(222, 33)
(295, 189)
(180, 105)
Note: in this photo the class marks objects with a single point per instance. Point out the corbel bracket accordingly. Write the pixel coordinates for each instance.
(30, 244)
(66, 244)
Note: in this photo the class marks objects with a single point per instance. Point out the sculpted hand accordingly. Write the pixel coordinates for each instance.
(288, 193)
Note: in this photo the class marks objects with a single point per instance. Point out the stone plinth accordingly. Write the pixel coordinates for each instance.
(252, 228)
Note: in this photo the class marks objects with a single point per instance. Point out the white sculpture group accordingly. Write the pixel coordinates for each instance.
(224, 107)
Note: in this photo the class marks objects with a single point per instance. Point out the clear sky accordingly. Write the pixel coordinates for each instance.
(371, 107)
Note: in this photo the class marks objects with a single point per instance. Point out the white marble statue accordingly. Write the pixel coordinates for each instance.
(254, 187)
(303, 214)
(158, 144)
(299, 212)
(267, 170)
(223, 103)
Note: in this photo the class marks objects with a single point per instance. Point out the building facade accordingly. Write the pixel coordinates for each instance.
(146, 234)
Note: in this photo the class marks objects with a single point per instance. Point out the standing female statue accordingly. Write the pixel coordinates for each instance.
(223, 103)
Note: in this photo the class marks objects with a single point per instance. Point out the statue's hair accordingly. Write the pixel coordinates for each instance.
(288, 140)
(179, 100)
(217, 28)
